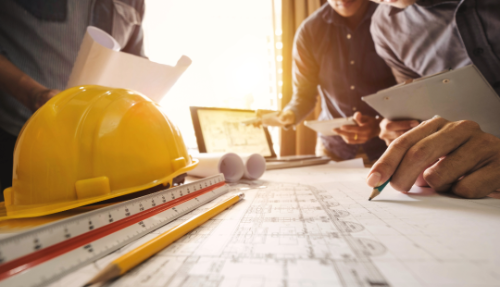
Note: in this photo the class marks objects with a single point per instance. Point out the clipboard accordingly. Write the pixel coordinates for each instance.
(461, 94)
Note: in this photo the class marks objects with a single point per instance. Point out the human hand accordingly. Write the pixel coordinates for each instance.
(22, 87)
(367, 128)
(40, 97)
(468, 165)
(391, 130)
(274, 119)
(285, 118)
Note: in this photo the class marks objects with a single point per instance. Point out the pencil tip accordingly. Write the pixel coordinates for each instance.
(369, 199)
(109, 272)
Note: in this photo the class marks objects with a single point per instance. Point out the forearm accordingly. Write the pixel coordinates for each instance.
(17, 84)
(305, 75)
(301, 105)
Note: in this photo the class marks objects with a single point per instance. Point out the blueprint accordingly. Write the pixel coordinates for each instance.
(223, 131)
(313, 226)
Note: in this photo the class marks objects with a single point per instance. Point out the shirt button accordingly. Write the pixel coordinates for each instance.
(352, 62)
(353, 87)
(354, 109)
(478, 51)
(348, 36)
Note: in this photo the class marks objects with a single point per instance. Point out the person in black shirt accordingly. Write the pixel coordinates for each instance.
(334, 54)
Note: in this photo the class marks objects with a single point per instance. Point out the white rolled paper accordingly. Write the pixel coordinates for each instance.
(255, 165)
(100, 62)
(233, 166)
(229, 164)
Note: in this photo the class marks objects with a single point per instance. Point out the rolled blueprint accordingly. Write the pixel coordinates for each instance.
(100, 62)
(229, 164)
(255, 165)
(233, 166)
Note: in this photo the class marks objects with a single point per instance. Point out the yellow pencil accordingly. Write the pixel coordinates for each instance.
(128, 261)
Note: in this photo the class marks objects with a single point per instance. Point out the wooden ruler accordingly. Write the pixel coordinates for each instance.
(44, 254)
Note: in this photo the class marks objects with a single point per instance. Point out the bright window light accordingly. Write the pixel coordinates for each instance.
(231, 44)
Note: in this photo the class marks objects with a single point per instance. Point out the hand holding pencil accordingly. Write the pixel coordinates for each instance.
(455, 157)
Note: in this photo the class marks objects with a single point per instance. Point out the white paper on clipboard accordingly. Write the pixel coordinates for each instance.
(326, 127)
(100, 62)
(461, 94)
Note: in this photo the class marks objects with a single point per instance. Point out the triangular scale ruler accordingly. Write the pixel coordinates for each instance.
(44, 254)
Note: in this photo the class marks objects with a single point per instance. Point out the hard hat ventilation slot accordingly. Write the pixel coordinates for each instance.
(179, 163)
(92, 187)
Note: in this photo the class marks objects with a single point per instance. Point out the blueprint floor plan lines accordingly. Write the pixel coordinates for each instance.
(280, 235)
(314, 227)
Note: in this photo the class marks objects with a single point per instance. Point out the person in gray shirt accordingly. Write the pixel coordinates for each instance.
(39, 42)
(421, 37)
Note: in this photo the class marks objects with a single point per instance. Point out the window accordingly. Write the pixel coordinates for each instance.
(233, 48)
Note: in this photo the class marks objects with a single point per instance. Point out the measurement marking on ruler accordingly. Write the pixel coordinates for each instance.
(101, 230)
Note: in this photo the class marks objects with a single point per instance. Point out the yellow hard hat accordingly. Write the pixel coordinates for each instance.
(89, 144)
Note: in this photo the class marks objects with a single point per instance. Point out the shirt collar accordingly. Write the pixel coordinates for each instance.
(423, 3)
(332, 17)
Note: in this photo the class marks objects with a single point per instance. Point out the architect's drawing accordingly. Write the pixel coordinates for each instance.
(326, 234)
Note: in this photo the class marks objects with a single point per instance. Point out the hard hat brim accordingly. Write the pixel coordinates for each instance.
(27, 211)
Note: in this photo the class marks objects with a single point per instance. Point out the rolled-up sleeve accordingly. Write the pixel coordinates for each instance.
(305, 71)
